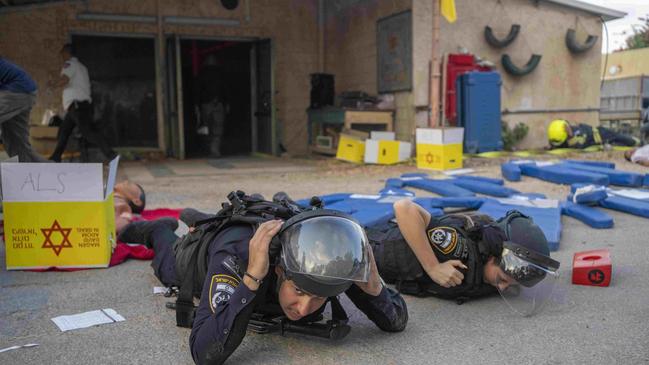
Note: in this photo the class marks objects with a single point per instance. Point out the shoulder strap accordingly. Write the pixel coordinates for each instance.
(337, 311)
(185, 309)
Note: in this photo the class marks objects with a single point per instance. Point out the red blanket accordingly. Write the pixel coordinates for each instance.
(124, 251)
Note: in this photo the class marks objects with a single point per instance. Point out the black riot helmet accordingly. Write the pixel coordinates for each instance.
(324, 251)
(525, 258)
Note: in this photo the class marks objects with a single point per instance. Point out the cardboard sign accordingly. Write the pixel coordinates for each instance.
(44, 182)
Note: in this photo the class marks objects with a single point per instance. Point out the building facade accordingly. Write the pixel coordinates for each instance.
(147, 60)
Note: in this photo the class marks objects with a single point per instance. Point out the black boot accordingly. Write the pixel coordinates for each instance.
(140, 232)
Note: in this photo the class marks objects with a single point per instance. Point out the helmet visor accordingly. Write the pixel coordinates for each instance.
(526, 286)
(327, 247)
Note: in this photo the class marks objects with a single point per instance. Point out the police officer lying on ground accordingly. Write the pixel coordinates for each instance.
(460, 256)
(562, 134)
(323, 254)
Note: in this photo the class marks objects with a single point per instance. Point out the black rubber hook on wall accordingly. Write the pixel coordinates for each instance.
(576, 47)
(520, 71)
(501, 43)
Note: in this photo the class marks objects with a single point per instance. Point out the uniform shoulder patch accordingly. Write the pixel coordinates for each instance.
(221, 288)
(444, 239)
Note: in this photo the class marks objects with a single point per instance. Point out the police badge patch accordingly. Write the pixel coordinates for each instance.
(221, 289)
(443, 239)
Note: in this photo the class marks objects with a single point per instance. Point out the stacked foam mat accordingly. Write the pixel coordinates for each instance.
(590, 186)
(590, 182)
(496, 200)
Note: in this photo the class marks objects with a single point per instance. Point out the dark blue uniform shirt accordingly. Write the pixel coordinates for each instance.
(227, 304)
(15, 79)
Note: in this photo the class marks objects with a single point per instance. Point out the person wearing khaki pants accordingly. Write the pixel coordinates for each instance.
(17, 96)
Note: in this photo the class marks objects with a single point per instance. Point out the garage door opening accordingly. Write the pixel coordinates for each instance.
(122, 76)
(219, 100)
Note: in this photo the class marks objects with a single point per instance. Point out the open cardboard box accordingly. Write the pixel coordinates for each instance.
(58, 215)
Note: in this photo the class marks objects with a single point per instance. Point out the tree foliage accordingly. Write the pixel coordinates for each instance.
(640, 36)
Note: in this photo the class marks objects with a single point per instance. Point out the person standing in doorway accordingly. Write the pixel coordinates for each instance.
(17, 96)
(213, 109)
(77, 105)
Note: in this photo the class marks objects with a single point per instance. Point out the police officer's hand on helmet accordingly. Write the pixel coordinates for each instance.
(258, 261)
(374, 285)
(446, 273)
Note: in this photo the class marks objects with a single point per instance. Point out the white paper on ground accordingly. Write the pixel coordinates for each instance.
(87, 319)
(18, 347)
(159, 290)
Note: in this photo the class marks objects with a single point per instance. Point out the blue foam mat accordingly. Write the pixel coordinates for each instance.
(393, 183)
(427, 204)
(562, 175)
(627, 205)
(440, 187)
(368, 212)
(606, 164)
(616, 177)
(591, 216)
(489, 180)
(414, 174)
(531, 196)
(548, 219)
(486, 188)
(396, 191)
(511, 171)
(588, 198)
(574, 187)
(455, 202)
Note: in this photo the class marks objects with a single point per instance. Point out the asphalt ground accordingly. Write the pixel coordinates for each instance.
(581, 325)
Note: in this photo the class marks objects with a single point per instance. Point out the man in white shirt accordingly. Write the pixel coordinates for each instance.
(638, 155)
(77, 104)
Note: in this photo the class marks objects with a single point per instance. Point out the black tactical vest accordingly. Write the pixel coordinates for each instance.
(191, 250)
(452, 237)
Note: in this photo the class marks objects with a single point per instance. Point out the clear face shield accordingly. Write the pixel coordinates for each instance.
(327, 247)
(529, 279)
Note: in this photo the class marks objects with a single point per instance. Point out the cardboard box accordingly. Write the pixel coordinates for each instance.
(439, 148)
(351, 149)
(380, 135)
(386, 152)
(58, 215)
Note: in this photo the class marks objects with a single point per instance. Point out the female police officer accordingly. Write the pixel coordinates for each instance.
(466, 255)
(323, 254)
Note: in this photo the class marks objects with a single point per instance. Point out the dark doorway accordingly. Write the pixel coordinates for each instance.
(216, 93)
(264, 130)
(122, 75)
